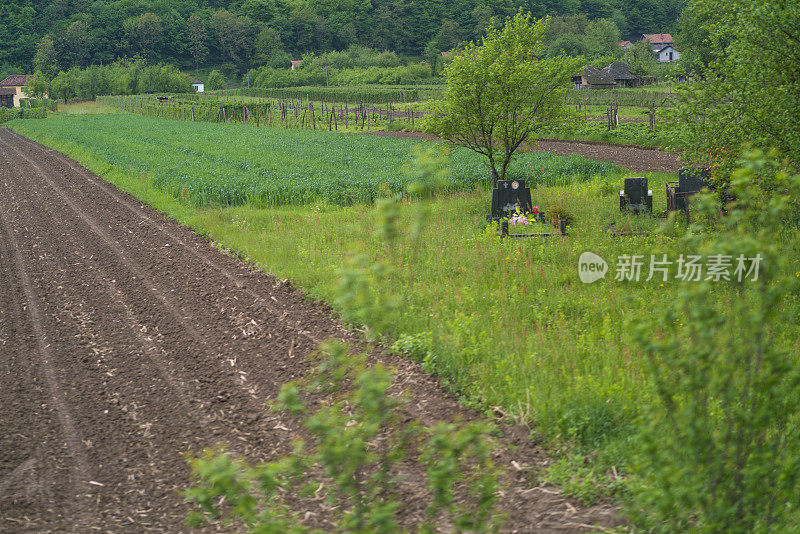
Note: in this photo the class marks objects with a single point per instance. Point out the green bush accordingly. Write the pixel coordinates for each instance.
(719, 450)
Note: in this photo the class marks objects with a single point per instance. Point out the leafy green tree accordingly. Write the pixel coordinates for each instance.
(92, 81)
(602, 38)
(76, 42)
(216, 81)
(197, 40)
(46, 58)
(144, 34)
(640, 59)
(499, 93)
(63, 85)
(692, 39)
(449, 35)
(751, 86)
(482, 18)
(37, 86)
(235, 36)
(568, 44)
(433, 55)
(259, 10)
(267, 42)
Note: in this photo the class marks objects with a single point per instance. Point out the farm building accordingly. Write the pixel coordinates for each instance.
(15, 83)
(596, 79)
(7, 97)
(621, 74)
(296, 63)
(657, 41)
(615, 75)
(668, 54)
(663, 46)
(198, 85)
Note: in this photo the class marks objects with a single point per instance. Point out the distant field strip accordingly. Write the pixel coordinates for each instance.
(223, 164)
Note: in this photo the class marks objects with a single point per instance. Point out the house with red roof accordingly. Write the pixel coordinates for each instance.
(662, 45)
(657, 41)
(296, 63)
(13, 87)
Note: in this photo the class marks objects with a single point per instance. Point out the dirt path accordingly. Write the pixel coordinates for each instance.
(634, 158)
(127, 340)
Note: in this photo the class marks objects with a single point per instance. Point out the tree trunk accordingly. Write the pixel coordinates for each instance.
(495, 175)
(505, 166)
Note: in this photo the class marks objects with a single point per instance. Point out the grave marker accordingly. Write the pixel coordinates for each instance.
(690, 181)
(508, 196)
(636, 197)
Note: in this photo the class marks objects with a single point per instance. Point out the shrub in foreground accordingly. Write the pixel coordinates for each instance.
(719, 451)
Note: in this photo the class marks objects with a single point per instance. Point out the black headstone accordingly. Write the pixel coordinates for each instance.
(692, 180)
(508, 196)
(636, 190)
(635, 196)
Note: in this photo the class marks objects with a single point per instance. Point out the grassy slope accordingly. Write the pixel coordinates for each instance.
(510, 324)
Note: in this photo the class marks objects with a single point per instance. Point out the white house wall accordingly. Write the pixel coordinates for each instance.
(663, 55)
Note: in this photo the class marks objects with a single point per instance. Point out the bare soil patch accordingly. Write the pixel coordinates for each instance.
(127, 340)
(631, 157)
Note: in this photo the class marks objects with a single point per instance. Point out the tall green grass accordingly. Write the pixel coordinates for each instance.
(217, 164)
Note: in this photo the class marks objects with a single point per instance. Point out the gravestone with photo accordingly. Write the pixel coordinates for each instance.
(508, 197)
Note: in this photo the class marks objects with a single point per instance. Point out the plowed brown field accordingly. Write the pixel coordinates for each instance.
(126, 340)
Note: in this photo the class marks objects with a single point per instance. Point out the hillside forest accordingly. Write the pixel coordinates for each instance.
(238, 35)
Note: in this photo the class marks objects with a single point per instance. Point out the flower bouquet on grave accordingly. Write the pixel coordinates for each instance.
(524, 219)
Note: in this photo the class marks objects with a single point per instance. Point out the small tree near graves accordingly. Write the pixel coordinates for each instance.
(500, 93)
(747, 84)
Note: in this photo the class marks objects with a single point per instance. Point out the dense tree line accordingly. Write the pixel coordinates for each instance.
(122, 77)
(238, 35)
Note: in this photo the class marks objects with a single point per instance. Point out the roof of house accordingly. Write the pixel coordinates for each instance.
(665, 47)
(619, 71)
(624, 43)
(193, 80)
(296, 62)
(5, 91)
(657, 38)
(16, 80)
(597, 77)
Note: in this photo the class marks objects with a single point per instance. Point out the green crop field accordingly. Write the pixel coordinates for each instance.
(218, 164)
(503, 323)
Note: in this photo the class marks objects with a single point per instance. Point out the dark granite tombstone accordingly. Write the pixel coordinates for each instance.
(508, 196)
(636, 197)
(690, 181)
